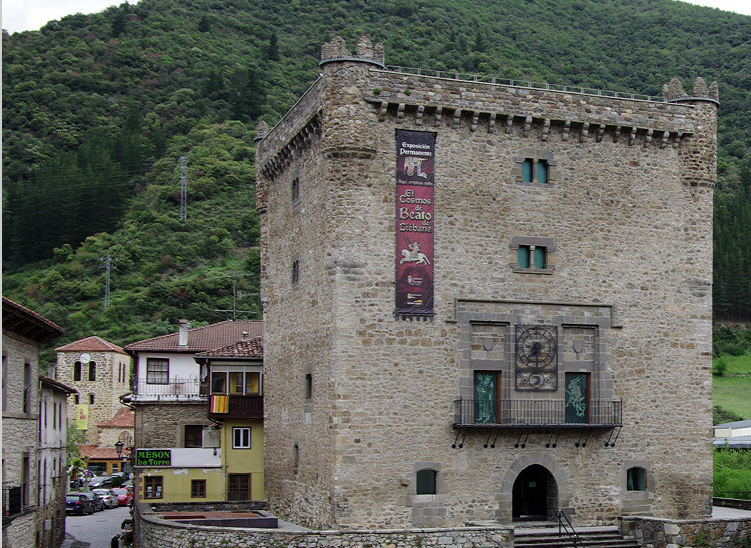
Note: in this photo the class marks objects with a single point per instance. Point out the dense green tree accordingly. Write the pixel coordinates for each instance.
(98, 109)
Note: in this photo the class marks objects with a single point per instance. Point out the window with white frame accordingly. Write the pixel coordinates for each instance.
(241, 437)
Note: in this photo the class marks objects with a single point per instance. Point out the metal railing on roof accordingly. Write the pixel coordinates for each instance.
(528, 84)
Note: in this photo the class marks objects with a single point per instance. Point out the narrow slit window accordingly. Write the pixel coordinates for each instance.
(527, 170)
(523, 256)
(295, 190)
(542, 171)
(539, 257)
(308, 386)
(295, 272)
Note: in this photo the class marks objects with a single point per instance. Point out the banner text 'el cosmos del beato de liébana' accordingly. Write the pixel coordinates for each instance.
(415, 170)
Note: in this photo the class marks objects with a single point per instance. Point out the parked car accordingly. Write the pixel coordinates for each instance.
(96, 501)
(78, 503)
(124, 496)
(108, 497)
(100, 482)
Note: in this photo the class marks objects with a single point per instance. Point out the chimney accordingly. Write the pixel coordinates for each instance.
(245, 335)
(182, 335)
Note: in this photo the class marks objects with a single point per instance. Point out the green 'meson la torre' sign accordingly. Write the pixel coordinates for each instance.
(153, 457)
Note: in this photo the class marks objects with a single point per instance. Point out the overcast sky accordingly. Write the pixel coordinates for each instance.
(21, 15)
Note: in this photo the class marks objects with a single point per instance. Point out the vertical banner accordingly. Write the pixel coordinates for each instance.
(82, 417)
(415, 165)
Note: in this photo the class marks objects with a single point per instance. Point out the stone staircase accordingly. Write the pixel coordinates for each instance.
(589, 537)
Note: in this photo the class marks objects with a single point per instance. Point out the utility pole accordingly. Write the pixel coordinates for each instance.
(107, 268)
(183, 188)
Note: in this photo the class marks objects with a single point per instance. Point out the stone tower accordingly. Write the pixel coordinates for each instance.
(485, 301)
(100, 371)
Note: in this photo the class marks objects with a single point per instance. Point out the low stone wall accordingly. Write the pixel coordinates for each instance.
(207, 506)
(152, 530)
(665, 533)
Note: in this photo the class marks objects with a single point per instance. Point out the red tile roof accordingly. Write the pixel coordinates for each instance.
(123, 419)
(27, 323)
(56, 385)
(95, 452)
(202, 339)
(251, 348)
(91, 344)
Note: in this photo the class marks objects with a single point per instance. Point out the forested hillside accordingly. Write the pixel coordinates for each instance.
(99, 109)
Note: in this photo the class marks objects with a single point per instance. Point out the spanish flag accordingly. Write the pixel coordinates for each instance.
(219, 404)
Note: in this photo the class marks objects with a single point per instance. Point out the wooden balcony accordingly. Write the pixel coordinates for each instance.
(515, 414)
(235, 406)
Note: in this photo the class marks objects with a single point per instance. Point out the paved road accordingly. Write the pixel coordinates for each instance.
(96, 530)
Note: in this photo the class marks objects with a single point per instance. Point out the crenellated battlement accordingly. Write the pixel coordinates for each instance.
(367, 52)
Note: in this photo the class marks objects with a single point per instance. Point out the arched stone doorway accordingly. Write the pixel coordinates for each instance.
(535, 495)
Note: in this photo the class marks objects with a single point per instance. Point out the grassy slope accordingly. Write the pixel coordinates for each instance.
(732, 391)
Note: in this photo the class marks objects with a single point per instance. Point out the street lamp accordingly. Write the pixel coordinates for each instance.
(119, 448)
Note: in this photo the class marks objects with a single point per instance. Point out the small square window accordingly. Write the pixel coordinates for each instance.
(533, 254)
(635, 479)
(193, 435)
(241, 438)
(152, 487)
(425, 482)
(91, 399)
(198, 489)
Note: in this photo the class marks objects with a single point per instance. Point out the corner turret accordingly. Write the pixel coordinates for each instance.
(336, 51)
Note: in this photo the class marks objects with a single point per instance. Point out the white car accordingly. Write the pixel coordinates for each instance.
(109, 498)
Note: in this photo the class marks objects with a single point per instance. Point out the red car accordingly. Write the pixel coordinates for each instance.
(123, 496)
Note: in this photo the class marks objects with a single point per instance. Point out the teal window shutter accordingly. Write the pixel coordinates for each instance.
(523, 256)
(542, 171)
(527, 171)
(539, 257)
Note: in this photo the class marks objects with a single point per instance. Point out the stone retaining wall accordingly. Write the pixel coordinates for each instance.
(665, 533)
(152, 530)
(732, 503)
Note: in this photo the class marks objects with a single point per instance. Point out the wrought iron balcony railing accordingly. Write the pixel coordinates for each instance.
(537, 414)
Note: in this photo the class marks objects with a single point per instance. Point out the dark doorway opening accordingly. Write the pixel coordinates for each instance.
(535, 495)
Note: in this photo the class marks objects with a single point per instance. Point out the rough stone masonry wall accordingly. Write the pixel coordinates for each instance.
(162, 424)
(112, 381)
(154, 531)
(632, 230)
(293, 346)
(663, 533)
(20, 430)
